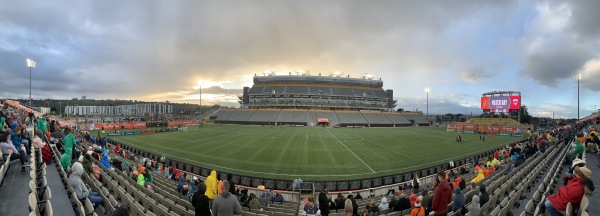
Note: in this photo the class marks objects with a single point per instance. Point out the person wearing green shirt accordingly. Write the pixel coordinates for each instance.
(65, 159)
(578, 151)
(42, 124)
(69, 140)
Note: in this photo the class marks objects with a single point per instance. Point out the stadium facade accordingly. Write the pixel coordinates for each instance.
(307, 100)
(322, 92)
(130, 110)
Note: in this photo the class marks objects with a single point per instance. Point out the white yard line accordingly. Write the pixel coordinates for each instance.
(350, 151)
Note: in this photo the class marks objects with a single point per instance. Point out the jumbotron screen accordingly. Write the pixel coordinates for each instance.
(501, 103)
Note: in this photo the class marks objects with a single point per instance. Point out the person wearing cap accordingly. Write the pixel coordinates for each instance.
(417, 210)
(573, 192)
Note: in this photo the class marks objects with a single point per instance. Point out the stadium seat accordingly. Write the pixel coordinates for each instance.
(585, 202)
(496, 211)
(88, 207)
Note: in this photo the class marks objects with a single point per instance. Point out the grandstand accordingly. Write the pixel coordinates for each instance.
(493, 121)
(322, 92)
(318, 100)
(341, 118)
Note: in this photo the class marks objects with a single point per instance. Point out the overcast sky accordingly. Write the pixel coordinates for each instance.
(160, 50)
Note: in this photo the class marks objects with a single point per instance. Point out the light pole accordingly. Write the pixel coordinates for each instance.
(578, 77)
(30, 64)
(200, 89)
(427, 90)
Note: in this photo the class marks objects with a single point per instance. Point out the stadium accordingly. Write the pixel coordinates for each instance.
(299, 108)
(333, 132)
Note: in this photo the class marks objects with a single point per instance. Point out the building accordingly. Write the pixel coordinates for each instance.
(43, 110)
(83, 98)
(334, 92)
(128, 110)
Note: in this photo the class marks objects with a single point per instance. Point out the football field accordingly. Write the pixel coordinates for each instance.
(313, 153)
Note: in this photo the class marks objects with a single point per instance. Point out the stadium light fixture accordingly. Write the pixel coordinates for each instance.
(31, 64)
(578, 77)
(427, 90)
(337, 74)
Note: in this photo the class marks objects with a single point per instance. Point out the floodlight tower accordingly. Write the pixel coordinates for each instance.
(427, 90)
(31, 64)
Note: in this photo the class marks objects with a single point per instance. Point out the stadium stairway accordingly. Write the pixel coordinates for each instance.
(18, 198)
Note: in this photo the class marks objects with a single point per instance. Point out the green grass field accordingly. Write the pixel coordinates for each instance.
(313, 153)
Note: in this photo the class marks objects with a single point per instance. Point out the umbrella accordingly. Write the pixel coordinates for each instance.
(58, 135)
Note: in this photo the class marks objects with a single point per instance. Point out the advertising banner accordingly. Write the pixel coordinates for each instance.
(470, 127)
(500, 102)
(515, 102)
(485, 103)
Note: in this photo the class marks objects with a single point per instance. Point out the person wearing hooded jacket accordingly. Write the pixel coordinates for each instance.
(79, 187)
(211, 185)
(474, 208)
(459, 200)
(225, 204)
(572, 193)
(417, 210)
(200, 201)
(442, 196)
(402, 204)
(384, 205)
(69, 140)
(323, 203)
(484, 196)
(105, 162)
(65, 159)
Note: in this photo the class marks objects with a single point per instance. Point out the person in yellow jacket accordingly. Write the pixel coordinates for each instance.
(220, 186)
(211, 185)
(479, 176)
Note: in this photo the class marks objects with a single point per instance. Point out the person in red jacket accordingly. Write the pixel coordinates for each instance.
(442, 196)
(572, 192)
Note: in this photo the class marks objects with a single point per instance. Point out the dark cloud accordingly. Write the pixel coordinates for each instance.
(475, 74)
(555, 60)
(119, 49)
(584, 19)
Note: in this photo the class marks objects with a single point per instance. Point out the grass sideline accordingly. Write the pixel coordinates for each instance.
(313, 153)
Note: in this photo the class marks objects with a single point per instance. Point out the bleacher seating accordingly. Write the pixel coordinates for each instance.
(351, 118)
(309, 117)
(493, 121)
(397, 118)
(224, 114)
(241, 115)
(376, 119)
(266, 115)
(417, 118)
